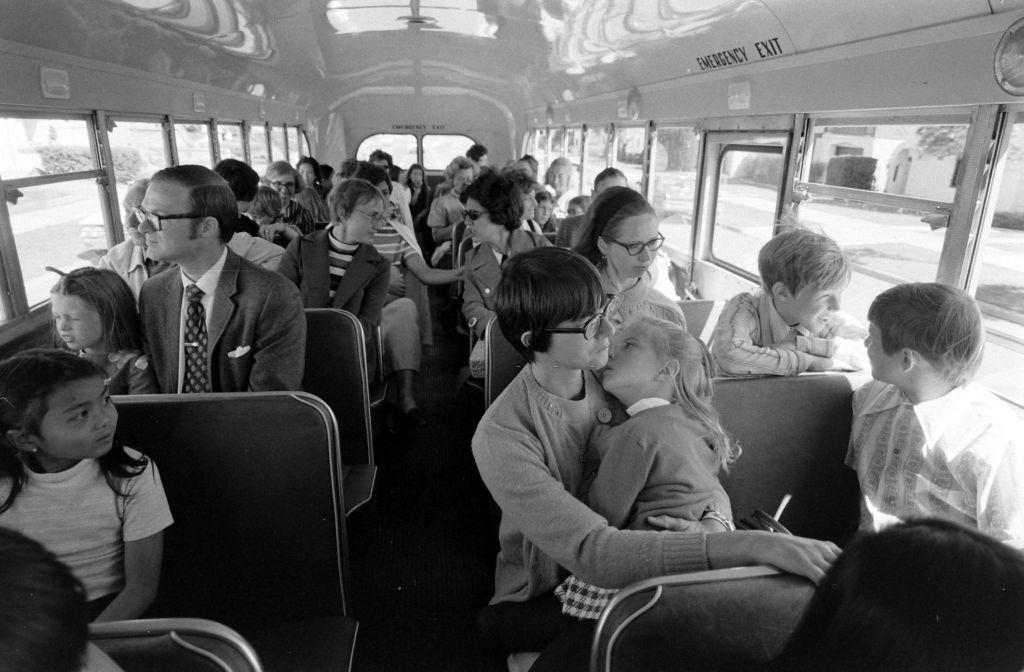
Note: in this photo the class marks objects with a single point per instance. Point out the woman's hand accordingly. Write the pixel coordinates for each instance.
(810, 558)
(396, 284)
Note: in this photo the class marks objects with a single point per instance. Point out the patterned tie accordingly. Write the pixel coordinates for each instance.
(197, 370)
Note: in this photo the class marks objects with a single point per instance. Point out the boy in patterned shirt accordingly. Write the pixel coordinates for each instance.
(925, 440)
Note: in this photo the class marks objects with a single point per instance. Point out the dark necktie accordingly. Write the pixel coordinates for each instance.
(197, 368)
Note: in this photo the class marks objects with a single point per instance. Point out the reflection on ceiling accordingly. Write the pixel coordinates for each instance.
(460, 17)
(223, 24)
(603, 31)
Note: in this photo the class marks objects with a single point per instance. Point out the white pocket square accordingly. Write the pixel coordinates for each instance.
(239, 351)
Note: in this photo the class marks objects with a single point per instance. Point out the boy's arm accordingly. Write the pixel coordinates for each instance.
(1000, 491)
(142, 560)
(736, 349)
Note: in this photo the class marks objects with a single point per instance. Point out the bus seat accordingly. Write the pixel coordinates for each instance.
(336, 371)
(502, 362)
(254, 481)
(172, 644)
(794, 433)
(727, 619)
(701, 317)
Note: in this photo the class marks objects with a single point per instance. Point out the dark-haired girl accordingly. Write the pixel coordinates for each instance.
(99, 507)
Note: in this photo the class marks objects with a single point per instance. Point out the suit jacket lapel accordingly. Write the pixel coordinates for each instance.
(171, 329)
(223, 306)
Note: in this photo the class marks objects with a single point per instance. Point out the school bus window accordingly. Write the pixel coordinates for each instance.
(401, 147)
(541, 150)
(1000, 279)
(574, 152)
(629, 153)
(258, 153)
(556, 145)
(293, 144)
(193, 141)
(674, 182)
(912, 159)
(304, 143)
(36, 146)
(748, 192)
(278, 151)
(439, 150)
(595, 156)
(139, 149)
(229, 140)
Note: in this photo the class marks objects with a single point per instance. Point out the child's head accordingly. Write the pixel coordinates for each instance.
(653, 358)
(43, 614)
(539, 290)
(54, 411)
(577, 205)
(805, 273)
(940, 323)
(94, 310)
(266, 207)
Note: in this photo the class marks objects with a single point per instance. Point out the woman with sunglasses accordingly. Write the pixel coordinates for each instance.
(531, 450)
(620, 236)
(493, 210)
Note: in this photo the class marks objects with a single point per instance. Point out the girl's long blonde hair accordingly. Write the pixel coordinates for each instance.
(693, 388)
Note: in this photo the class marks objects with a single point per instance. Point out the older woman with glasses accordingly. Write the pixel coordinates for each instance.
(285, 180)
(620, 236)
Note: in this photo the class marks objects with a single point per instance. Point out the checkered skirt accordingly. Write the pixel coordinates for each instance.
(582, 599)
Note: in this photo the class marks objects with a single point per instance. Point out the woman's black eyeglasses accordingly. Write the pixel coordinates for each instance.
(473, 215)
(634, 249)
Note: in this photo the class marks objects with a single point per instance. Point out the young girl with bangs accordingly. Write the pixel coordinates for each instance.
(664, 459)
(94, 314)
(64, 481)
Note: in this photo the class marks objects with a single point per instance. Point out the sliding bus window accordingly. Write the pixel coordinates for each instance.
(278, 151)
(673, 182)
(294, 152)
(595, 158)
(628, 154)
(259, 153)
(49, 171)
(401, 147)
(541, 151)
(139, 149)
(556, 144)
(304, 146)
(229, 141)
(193, 141)
(749, 179)
(574, 152)
(439, 150)
(999, 278)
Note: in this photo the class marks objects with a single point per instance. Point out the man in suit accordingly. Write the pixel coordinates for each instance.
(215, 322)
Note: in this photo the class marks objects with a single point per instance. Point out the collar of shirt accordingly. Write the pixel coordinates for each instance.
(935, 415)
(208, 281)
(644, 404)
(774, 329)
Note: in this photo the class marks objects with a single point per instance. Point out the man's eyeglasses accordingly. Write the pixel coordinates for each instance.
(157, 221)
(473, 215)
(634, 249)
(288, 185)
(372, 216)
(589, 329)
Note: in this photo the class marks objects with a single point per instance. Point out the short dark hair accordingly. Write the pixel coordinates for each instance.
(349, 167)
(534, 164)
(499, 195)
(924, 595)
(381, 155)
(475, 152)
(941, 322)
(209, 193)
(44, 617)
(240, 176)
(606, 174)
(373, 174)
(541, 288)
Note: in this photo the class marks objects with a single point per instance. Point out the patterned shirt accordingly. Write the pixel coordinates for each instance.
(295, 214)
(339, 256)
(391, 245)
(959, 457)
(749, 329)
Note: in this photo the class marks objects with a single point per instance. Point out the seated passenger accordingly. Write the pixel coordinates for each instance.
(570, 228)
(285, 180)
(525, 187)
(420, 196)
(578, 205)
(129, 258)
(530, 447)
(559, 178)
(923, 596)
(664, 459)
(216, 323)
(399, 197)
(97, 506)
(478, 155)
(94, 315)
(265, 215)
(793, 323)
(43, 610)
(925, 440)
(492, 212)
(339, 267)
(620, 236)
(446, 210)
(308, 169)
(400, 329)
(544, 212)
(246, 242)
